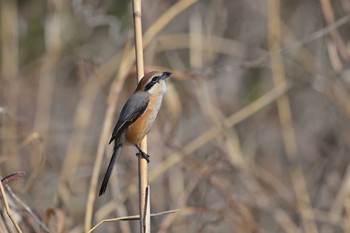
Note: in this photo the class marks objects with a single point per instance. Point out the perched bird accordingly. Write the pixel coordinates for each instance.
(137, 117)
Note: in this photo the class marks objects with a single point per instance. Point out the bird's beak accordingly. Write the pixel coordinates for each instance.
(165, 75)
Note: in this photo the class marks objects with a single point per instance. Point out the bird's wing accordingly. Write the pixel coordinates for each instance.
(132, 110)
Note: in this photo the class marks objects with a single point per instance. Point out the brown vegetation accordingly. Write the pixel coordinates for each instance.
(253, 135)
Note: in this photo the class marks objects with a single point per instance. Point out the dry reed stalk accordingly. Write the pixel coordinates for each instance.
(285, 116)
(285, 222)
(7, 208)
(341, 197)
(336, 37)
(35, 139)
(9, 72)
(53, 32)
(300, 53)
(144, 187)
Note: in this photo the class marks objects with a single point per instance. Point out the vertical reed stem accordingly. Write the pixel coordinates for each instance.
(143, 166)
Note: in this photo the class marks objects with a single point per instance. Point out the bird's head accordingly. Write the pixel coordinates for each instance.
(153, 82)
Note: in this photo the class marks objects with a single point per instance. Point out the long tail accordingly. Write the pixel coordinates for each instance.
(116, 153)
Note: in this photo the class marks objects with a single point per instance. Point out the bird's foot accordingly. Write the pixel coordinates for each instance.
(143, 155)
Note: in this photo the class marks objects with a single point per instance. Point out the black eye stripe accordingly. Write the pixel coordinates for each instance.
(152, 82)
(150, 85)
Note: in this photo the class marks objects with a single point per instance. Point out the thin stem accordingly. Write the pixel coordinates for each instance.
(144, 194)
(7, 208)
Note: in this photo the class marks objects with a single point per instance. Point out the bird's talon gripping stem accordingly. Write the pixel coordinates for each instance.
(142, 154)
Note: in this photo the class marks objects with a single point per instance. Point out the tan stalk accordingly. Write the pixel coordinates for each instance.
(8, 74)
(144, 194)
(8, 210)
(285, 115)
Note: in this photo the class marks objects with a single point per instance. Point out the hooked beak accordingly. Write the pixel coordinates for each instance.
(165, 75)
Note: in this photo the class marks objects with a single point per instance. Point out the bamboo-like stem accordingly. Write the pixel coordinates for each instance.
(144, 194)
(286, 121)
(9, 72)
(48, 71)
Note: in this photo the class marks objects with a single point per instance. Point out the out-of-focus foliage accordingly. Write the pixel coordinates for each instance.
(245, 165)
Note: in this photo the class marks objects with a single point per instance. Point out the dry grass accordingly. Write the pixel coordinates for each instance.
(253, 135)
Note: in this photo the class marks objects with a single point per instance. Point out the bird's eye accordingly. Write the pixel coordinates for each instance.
(155, 79)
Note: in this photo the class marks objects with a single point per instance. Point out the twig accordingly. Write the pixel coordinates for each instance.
(131, 218)
(8, 211)
(28, 209)
(11, 177)
(329, 16)
(317, 34)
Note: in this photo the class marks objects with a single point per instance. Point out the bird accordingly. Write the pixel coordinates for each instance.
(137, 117)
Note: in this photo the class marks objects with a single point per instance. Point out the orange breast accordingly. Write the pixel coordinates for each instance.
(138, 130)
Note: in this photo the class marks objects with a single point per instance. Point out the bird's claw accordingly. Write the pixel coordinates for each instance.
(143, 155)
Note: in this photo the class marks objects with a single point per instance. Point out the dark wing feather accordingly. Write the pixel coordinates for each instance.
(132, 110)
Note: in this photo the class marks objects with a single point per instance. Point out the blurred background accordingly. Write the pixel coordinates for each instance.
(253, 135)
